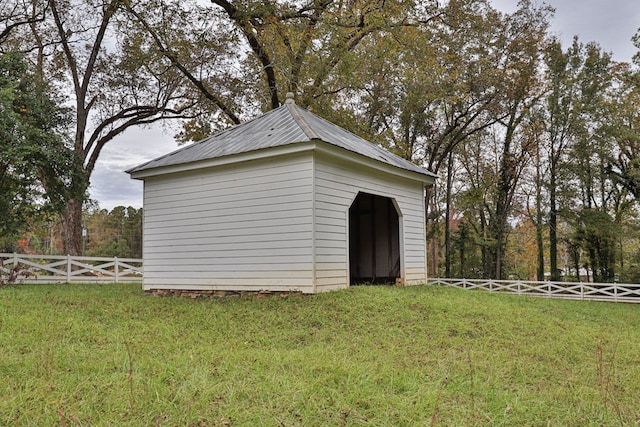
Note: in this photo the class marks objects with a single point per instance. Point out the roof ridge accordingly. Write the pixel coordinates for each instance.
(297, 117)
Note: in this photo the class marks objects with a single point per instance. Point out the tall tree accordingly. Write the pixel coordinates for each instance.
(592, 215)
(578, 85)
(624, 129)
(442, 88)
(32, 147)
(523, 38)
(114, 85)
(534, 187)
(561, 111)
(479, 175)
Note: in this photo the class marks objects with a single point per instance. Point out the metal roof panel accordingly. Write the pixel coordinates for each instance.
(288, 124)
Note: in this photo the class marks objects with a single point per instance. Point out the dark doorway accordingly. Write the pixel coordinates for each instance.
(374, 240)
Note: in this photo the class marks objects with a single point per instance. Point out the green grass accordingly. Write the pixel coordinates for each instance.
(95, 355)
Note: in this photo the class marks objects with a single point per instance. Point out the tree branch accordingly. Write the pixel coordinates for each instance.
(146, 115)
(97, 44)
(246, 26)
(64, 38)
(7, 30)
(175, 62)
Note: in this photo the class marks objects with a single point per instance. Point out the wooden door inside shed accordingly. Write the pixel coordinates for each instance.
(374, 240)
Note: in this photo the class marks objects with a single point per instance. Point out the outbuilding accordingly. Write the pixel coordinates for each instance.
(285, 202)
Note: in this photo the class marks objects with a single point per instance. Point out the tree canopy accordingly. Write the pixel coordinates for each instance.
(32, 148)
(533, 139)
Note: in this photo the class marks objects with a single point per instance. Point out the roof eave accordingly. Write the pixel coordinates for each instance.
(225, 160)
(319, 145)
(332, 150)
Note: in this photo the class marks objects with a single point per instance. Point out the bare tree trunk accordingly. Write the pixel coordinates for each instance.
(447, 219)
(539, 216)
(430, 207)
(540, 244)
(498, 222)
(72, 223)
(553, 224)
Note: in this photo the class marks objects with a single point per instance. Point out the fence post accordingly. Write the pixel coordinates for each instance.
(116, 269)
(15, 269)
(68, 268)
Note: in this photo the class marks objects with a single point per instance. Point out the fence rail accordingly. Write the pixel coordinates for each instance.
(31, 269)
(616, 292)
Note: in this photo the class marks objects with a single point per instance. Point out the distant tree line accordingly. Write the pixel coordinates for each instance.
(115, 233)
(537, 144)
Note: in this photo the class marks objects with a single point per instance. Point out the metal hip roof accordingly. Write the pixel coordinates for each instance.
(288, 124)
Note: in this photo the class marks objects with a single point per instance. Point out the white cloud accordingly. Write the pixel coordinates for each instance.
(610, 23)
(110, 185)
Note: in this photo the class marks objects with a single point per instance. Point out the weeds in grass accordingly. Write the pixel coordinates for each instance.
(64, 417)
(9, 275)
(607, 379)
(471, 386)
(434, 415)
(130, 374)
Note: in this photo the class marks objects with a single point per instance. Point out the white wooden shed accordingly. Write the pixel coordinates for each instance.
(284, 202)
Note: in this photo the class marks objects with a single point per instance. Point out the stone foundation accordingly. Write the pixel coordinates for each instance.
(200, 294)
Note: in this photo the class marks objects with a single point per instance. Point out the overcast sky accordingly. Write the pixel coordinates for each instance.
(611, 23)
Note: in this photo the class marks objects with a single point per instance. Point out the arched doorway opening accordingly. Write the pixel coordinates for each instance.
(374, 240)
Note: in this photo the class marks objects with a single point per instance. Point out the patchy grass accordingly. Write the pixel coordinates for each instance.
(368, 356)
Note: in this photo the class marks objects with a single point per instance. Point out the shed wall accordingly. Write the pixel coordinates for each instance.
(336, 185)
(246, 226)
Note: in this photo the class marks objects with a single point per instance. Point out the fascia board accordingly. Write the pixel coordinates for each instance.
(298, 147)
(350, 156)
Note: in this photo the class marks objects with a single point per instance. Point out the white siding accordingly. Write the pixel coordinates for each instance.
(246, 226)
(336, 185)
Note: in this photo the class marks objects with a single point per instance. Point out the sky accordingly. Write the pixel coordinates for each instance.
(611, 23)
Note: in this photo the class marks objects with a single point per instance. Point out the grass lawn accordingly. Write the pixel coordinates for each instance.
(96, 355)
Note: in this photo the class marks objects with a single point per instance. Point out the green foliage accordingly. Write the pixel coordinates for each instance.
(630, 271)
(467, 250)
(598, 234)
(107, 355)
(624, 129)
(32, 150)
(114, 234)
(114, 80)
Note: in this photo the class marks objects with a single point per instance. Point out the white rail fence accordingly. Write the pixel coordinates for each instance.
(32, 269)
(615, 292)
